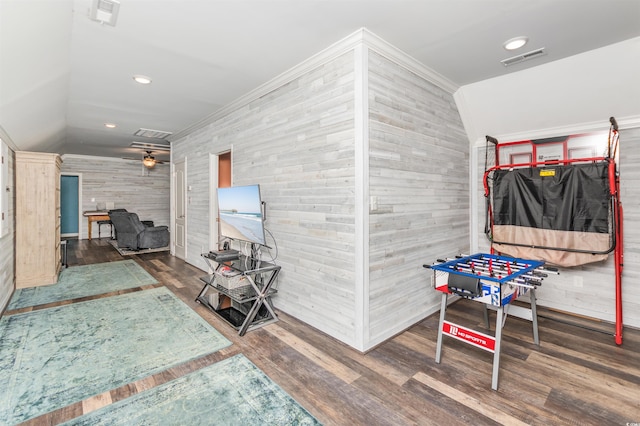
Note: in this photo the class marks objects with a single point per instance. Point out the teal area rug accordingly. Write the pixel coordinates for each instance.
(230, 392)
(82, 281)
(54, 357)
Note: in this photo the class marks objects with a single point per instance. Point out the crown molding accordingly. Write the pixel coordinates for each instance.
(624, 123)
(4, 137)
(405, 60)
(347, 44)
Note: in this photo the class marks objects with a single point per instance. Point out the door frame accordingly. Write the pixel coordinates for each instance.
(173, 207)
(80, 217)
(214, 182)
(213, 202)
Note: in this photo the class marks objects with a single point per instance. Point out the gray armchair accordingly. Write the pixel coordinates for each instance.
(133, 234)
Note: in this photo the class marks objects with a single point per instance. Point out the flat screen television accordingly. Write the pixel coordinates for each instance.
(240, 212)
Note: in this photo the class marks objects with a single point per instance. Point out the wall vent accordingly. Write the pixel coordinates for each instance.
(523, 57)
(105, 11)
(148, 133)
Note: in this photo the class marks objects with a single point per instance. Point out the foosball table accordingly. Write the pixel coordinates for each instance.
(496, 282)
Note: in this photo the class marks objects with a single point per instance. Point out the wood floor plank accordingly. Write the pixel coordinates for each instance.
(316, 355)
(95, 402)
(462, 398)
(576, 376)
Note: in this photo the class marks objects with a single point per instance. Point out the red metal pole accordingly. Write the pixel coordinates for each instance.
(619, 259)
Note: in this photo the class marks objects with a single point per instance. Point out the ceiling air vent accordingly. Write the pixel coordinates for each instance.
(523, 57)
(150, 146)
(105, 11)
(148, 133)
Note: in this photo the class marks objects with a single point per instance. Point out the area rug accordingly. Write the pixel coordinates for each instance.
(126, 252)
(82, 281)
(54, 357)
(230, 392)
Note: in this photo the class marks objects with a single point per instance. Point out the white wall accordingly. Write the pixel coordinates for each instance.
(418, 173)
(7, 241)
(348, 270)
(126, 183)
(570, 96)
(574, 94)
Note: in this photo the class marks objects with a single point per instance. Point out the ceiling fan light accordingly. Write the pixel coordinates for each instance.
(515, 43)
(149, 161)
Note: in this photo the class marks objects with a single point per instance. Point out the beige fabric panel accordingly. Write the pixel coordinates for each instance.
(591, 241)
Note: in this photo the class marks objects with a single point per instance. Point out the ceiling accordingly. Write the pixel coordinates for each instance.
(63, 75)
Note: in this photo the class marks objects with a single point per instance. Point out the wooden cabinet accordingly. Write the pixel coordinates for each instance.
(38, 259)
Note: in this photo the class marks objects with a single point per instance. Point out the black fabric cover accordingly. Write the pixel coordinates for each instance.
(562, 198)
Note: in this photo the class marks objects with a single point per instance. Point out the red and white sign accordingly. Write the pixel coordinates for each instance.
(474, 338)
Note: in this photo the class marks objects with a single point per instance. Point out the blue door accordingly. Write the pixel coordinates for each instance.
(69, 205)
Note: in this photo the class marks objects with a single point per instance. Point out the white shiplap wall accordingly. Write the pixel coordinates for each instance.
(364, 122)
(589, 290)
(418, 168)
(297, 143)
(630, 197)
(7, 242)
(124, 182)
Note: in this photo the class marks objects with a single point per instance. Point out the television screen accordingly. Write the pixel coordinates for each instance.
(240, 211)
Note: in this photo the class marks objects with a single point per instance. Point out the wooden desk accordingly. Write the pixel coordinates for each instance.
(94, 216)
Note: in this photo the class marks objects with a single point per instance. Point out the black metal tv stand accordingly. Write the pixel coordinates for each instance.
(241, 291)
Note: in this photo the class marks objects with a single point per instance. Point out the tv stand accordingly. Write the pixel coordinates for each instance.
(241, 290)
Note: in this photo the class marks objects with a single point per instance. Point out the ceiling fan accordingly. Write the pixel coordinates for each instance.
(148, 160)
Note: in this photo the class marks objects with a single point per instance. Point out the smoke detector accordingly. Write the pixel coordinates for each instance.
(105, 11)
(523, 57)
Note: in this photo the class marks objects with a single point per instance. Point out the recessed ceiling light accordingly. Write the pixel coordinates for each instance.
(110, 125)
(515, 43)
(142, 79)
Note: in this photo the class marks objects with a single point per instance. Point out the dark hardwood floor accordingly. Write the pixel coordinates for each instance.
(577, 376)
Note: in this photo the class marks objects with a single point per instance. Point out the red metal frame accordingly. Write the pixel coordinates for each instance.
(614, 189)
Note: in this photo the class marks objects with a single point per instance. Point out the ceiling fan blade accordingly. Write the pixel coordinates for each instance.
(140, 159)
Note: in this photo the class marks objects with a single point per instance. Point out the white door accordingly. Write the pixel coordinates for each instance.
(180, 213)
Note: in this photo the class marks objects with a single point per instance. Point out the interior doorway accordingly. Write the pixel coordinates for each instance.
(220, 173)
(180, 212)
(70, 215)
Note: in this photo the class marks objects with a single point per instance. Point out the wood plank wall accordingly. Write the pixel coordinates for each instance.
(124, 182)
(589, 290)
(297, 143)
(418, 174)
(630, 197)
(7, 243)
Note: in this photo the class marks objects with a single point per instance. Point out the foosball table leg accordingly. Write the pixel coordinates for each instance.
(443, 309)
(534, 315)
(496, 351)
(485, 312)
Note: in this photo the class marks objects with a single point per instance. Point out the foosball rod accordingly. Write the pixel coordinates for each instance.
(497, 261)
(481, 266)
(524, 277)
(539, 268)
(544, 268)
